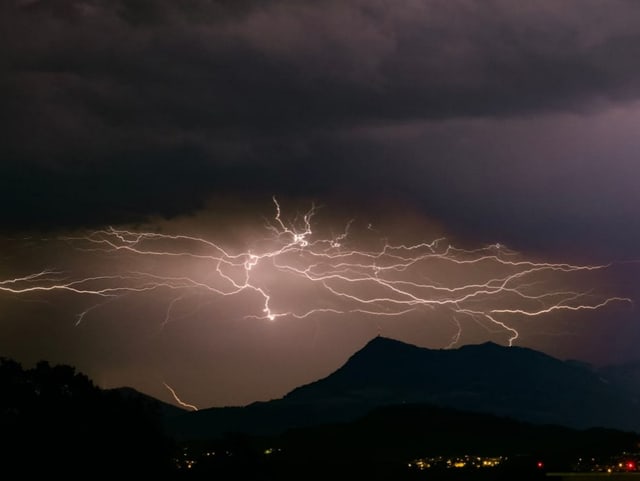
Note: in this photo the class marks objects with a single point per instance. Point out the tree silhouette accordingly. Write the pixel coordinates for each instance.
(54, 420)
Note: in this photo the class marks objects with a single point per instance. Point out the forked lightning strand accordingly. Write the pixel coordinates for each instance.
(340, 279)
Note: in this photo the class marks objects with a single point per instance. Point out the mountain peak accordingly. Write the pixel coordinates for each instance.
(382, 341)
(492, 345)
(380, 349)
(385, 342)
(381, 345)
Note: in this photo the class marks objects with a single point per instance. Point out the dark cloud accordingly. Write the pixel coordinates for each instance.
(283, 64)
(114, 110)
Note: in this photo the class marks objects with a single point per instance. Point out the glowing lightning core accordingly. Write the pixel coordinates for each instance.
(390, 280)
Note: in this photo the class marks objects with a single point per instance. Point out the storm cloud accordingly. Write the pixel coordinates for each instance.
(117, 110)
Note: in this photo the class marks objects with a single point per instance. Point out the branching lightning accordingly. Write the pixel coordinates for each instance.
(392, 280)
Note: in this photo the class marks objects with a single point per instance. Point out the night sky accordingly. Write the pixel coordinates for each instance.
(484, 122)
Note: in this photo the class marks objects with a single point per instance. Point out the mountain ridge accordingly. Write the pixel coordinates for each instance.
(517, 382)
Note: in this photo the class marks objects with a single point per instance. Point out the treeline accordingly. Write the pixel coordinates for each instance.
(54, 420)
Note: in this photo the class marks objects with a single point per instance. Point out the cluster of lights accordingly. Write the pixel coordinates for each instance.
(465, 461)
(624, 463)
(185, 461)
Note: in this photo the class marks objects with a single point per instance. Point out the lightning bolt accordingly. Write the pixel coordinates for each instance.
(392, 280)
(177, 398)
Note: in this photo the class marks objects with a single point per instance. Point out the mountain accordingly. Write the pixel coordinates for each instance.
(513, 381)
(625, 375)
(379, 445)
(509, 381)
(164, 409)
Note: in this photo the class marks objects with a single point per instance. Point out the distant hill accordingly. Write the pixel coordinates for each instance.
(509, 381)
(164, 409)
(379, 445)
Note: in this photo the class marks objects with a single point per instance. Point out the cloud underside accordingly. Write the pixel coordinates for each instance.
(116, 110)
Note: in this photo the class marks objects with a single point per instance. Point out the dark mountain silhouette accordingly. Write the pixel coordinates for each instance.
(509, 381)
(380, 444)
(513, 381)
(625, 375)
